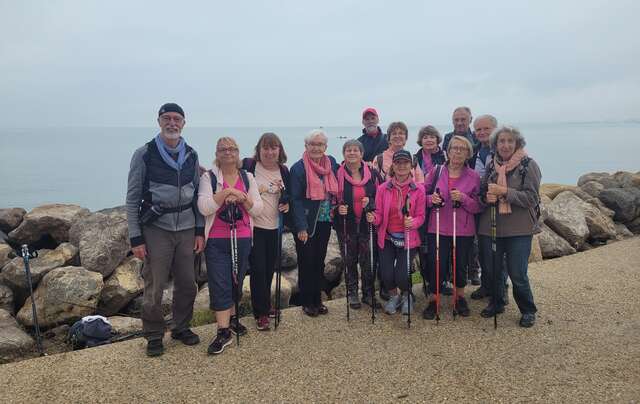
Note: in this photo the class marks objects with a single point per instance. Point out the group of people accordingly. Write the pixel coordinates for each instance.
(471, 196)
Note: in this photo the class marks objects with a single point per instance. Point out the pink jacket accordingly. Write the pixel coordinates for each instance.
(384, 197)
(469, 185)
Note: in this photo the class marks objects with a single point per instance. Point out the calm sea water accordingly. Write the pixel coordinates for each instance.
(88, 166)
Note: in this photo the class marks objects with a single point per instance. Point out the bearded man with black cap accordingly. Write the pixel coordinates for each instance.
(166, 229)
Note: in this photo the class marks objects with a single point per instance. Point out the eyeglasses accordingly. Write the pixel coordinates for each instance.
(459, 149)
(227, 150)
(320, 145)
(167, 119)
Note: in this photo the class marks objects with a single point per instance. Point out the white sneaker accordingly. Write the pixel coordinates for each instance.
(392, 305)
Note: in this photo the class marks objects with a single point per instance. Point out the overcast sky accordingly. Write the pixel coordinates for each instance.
(282, 63)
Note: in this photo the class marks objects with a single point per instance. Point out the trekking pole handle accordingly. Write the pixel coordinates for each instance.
(25, 253)
(456, 204)
(441, 204)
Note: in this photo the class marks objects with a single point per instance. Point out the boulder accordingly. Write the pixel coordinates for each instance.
(592, 177)
(545, 201)
(125, 325)
(6, 254)
(201, 304)
(48, 220)
(3, 238)
(603, 208)
(11, 218)
(552, 245)
(134, 308)
(553, 190)
(289, 257)
(601, 226)
(567, 219)
(65, 295)
(622, 201)
(634, 225)
(121, 287)
(103, 239)
(14, 342)
(622, 232)
(593, 188)
(13, 274)
(292, 278)
(536, 250)
(627, 179)
(6, 299)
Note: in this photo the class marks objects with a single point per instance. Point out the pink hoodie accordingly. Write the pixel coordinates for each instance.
(384, 199)
(469, 184)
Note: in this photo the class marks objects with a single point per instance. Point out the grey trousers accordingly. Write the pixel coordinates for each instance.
(168, 253)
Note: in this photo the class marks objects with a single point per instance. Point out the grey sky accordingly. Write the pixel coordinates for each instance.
(306, 63)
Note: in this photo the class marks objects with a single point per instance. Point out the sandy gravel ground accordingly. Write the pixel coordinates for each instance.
(585, 347)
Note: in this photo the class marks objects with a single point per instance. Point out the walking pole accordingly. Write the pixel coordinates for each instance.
(407, 208)
(438, 259)
(344, 258)
(26, 255)
(456, 205)
(234, 268)
(284, 199)
(494, 253)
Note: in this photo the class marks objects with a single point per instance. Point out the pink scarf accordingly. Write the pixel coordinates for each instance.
(316, 188)
(399, 187)
(502, 168)
(343, 175)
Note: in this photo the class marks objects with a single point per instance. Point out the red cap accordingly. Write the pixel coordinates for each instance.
(369, 111)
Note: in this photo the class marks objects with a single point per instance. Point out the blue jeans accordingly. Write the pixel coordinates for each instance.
(517, 250)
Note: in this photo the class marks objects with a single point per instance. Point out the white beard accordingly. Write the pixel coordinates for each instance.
(171, 135)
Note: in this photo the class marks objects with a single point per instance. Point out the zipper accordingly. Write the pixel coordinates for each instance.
(315, 222)
(177, 216)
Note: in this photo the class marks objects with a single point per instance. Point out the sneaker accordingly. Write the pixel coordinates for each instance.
(310, 311)
(371, 300)
(406, 306)
(262, 324)
(354, 301)
(392, 304)
(430, 312)
(155, 348)
(322, 309)
(273, 312)
(491, 310)
(187, 337)
(475, 278)
(462, 308)
(222, 340)
(236, 327)
(446, 289)
(528, 320)
(479, 293)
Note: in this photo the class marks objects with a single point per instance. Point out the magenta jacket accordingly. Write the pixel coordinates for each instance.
(469, 185)
(417, 202)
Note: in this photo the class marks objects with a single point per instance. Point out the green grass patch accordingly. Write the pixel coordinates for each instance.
(416, 278)
(202, 317)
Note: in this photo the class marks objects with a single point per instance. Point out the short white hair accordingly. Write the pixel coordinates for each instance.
(491, 118)
(316, 133)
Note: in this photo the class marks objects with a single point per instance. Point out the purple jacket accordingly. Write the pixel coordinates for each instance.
(384, 198)
(469, 184)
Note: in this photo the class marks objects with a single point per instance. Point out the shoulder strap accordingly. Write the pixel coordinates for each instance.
(245, 179)
(524, 164)
(436, 177)
(380, 160)
(214, 181)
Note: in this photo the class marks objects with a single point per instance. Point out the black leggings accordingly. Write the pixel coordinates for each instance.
(264, 255)
(463, 245)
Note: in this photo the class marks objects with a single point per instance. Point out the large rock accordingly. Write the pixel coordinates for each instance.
(567, 218)
(13, 274)
(121, 287)
(622, 232)
(553, 190)
(6, 299)
(53, 220)
(601, 227)
(3, 238)
(593, 188)
(552, 245)
(289, 257)
(11, 218)
(536, 250)
(65, 295)
(103, 240)
(622, 201)
(627, 179)
(292, 278)
(603, 208)
(634, 225)
(545, 201)
(606, 179)
(14, 342)
(125, 325)
(6, 253)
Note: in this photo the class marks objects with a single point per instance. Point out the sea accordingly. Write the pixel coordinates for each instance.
(88, 166)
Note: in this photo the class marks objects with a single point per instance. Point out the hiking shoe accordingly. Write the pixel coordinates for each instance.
(310, 311)
(221, 341)
(405, 304)
(446, 289)
(262, 323)
(392, 305)
(528, 320)
(155, 348)
(491, 310)
(371, 300)
(273, 312)
(462, 308)
(237, 327)
(322, 309)
(354, 301)
(187, 337)
(430, 312)
(475, 278)
(479, 293)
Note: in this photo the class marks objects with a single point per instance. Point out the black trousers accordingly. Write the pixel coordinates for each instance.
(311, 257)
(264, 255)
(393, 266)
(463, 245)
(357, 253)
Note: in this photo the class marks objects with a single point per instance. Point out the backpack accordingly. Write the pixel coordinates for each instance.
(214, 180)
(524, 168)
(90, 331)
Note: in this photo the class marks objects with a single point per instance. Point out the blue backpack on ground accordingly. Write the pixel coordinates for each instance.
(90, 331)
